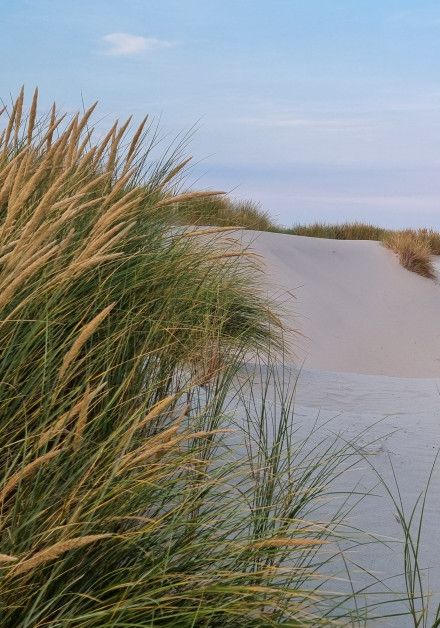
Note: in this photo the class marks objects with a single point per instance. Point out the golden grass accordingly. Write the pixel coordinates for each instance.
(223, 212)
(88, 329)
(413, 250)
(343, 231)
(25, 472)
(53, 552)
(99, 295)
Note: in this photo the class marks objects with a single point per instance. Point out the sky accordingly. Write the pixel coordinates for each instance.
(318, 109)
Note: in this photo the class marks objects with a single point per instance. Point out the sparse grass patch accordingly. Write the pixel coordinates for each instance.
(413, 250)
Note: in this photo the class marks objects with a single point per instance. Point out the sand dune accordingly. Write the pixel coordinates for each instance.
(370, 372)
(359, 310)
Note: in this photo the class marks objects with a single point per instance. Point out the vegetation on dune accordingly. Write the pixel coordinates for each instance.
(344, 231)
(123, 500)
(413, 247)
(129, 494)
(224, 212)
(413, 250)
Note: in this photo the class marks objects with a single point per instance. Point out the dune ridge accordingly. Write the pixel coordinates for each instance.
(359, 311)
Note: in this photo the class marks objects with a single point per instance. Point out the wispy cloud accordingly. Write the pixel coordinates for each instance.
(125, 44)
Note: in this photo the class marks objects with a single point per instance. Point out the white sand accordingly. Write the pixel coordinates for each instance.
(371, 360)
(359, 310)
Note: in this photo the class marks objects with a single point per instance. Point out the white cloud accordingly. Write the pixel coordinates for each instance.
(124, 44)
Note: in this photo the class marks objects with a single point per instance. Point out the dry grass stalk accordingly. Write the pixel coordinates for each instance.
(27, 272)
(80, 267)
(207, 365)
(211, 230)
(114, 148)
(8, 130)
(48, 137)
(174, 172)
(7, 559)
(164, 442)
(160, 443)
(112, 213)
(25, 472)
(134, 144)
(48, 229)
(84, 335)
(83, 122)
(82, 147)
(54, 551)
(67, 417)
(45, 204)
(103, 145)
(98, 245)
(18, 115)
(18, 172)
(226, 254)
(118, 188)
(9, 180)
(29, 188)
(32, 117)
(52, 126)
(269, 543)
(82, 419)
(156, 410)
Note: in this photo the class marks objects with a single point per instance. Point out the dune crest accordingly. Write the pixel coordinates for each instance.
(359, 310)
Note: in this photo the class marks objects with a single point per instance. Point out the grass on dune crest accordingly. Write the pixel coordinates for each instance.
(343, 231)
(223, 212)
(414, 252)
(123, 500)
(413, 247)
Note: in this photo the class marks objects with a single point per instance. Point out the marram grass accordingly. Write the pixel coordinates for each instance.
(120, 501)
(125, 498)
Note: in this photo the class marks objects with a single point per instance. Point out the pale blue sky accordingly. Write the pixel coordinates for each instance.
(320, 109)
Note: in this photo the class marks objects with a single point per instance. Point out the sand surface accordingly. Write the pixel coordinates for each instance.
(370, 371)
(358, 309)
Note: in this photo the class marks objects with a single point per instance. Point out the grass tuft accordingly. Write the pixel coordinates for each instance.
(413, 250)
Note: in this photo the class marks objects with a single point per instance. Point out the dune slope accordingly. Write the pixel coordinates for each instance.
(358, 309)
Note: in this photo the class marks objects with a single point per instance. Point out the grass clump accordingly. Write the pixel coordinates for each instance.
(123, 500)
(413, 251)
(344, 231)
(224, 212)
